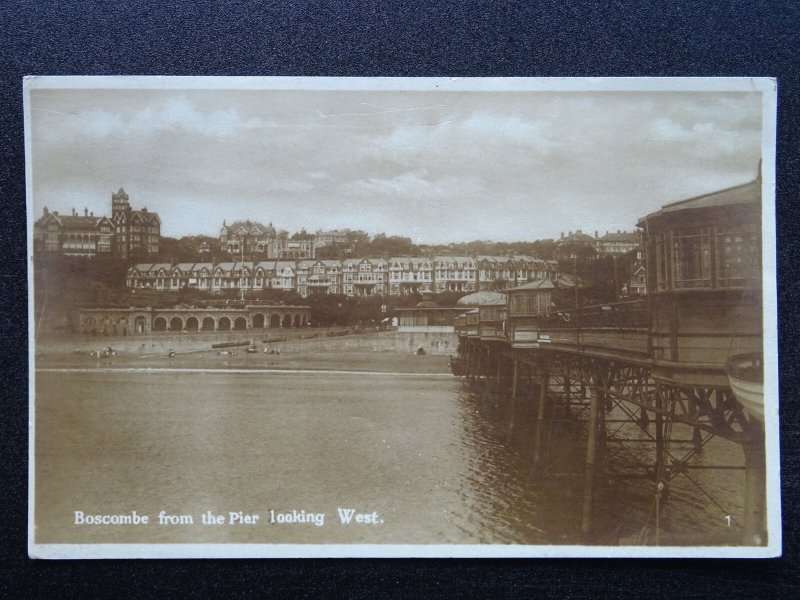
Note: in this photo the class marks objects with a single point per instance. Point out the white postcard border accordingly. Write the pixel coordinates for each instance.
(768, 88)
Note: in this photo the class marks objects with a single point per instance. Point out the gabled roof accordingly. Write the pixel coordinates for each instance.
(493, 259)
(413, 262)
(78, 222)
(49, 217)
(568, 280)
(621, 236)
(249, 227)
(577, 236)
(459, 260)
(527, 259)
(145, 216)
(142, 267)
(539, 284)
(186, 266)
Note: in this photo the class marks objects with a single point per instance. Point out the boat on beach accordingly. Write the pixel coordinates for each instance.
(229, 344)
(338, 333)
(746, 378)
(274, 338)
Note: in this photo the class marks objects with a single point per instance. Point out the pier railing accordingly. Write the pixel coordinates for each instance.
(631, 314)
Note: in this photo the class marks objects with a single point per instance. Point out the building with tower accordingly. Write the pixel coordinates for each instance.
(135, 231)
(127, 233)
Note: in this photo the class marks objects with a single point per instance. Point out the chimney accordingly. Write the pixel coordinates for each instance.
(562, 235)
(55, 212)
(91, 214)
(46, 212)
(596, 234)
(85, 212)
(74, 212)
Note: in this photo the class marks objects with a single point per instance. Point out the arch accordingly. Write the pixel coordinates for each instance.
(208, 324)
(240, 323)
(224, 324)
(160, 324)
(287, 320)
(305, 320)
(192, 324)
(139, 324)
(258, 321)
(176, 324)
(275, 321)
(297, 320)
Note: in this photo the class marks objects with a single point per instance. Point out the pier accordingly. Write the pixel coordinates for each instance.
(657, 364)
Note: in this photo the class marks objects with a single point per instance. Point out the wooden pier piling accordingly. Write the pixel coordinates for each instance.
(591, 456)
(542, 412)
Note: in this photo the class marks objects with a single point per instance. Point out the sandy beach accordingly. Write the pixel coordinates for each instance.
(340, 355)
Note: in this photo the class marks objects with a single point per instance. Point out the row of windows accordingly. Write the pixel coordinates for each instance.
(705, 257)
(529, 304)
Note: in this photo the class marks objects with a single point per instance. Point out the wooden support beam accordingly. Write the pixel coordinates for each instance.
(515, 380)
(589, 474)
(497, 384)
(542, 411)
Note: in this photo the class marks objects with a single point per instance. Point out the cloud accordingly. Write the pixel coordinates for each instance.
(175, 115)
(491, 165)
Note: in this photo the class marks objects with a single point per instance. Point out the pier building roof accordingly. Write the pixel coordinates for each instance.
(539, 284)
(746, 193)
(484, 298)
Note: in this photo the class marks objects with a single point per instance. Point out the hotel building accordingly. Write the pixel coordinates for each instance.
(351, 277)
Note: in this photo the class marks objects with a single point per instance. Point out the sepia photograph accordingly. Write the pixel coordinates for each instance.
(406, 317)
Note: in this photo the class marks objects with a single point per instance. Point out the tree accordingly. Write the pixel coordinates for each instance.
(331, 309)
(544, 249)
(391, 245)
(302, 235)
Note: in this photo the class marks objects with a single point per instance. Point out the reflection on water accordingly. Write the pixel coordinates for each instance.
(438, 462)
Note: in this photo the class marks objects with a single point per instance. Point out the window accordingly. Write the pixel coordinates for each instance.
(691, 253)
(661, 264)
(738, 255)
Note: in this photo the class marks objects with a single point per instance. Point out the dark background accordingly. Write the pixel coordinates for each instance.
(424, 38)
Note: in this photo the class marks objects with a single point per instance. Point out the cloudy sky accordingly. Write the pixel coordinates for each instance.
(437, 166)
